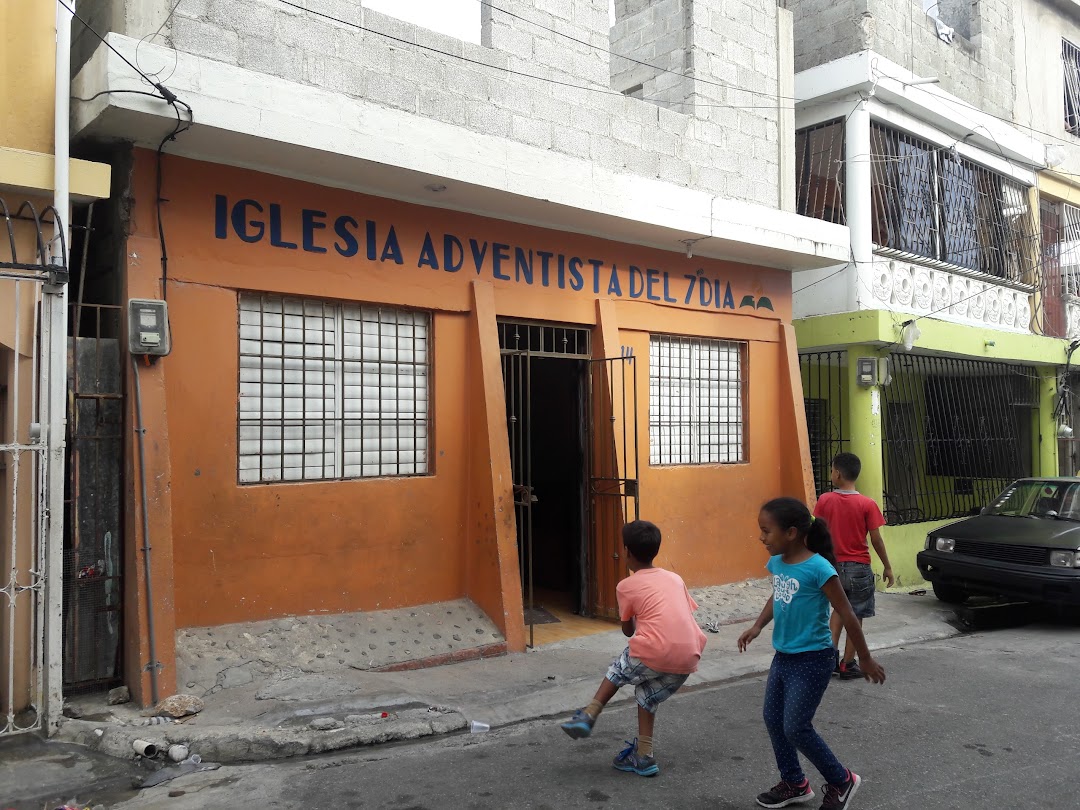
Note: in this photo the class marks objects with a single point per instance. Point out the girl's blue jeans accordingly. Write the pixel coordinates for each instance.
(797, 682)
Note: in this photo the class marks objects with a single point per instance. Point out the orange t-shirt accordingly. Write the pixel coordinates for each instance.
(666, 638)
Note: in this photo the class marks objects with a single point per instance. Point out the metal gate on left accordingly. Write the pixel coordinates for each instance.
(33, 287)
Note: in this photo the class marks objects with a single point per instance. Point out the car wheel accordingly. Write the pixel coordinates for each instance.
(950, 594)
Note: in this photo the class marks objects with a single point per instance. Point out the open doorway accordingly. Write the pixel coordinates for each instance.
(544, 372)
(558, 553)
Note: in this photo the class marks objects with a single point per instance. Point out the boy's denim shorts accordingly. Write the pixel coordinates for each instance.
(652, 687)
(857, 580)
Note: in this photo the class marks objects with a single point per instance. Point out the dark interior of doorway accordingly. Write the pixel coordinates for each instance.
(557, 432)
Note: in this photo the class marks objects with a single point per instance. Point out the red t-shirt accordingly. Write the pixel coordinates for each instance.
(851, 517)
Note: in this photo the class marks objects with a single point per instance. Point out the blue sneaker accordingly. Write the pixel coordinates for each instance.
(631, 761)
(580, 725)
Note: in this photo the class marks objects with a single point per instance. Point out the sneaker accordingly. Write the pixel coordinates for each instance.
(836, 666)
(786, 793)
(631, 761)
(580, 725)
(849, 671)
(839, 798)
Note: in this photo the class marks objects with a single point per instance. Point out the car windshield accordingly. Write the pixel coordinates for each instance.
(1039, 499)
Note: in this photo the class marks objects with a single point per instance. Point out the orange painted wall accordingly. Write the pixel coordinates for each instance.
(258, 551)
(708, 513)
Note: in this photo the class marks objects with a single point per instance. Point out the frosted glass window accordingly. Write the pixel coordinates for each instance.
(695, 401)
(331, 390)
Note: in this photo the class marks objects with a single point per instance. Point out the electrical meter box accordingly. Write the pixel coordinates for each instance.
(866, 371)
(148, 327)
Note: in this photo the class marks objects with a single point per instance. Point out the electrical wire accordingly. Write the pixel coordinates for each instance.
(149, 37)
(600, 49)
(181, 127)
(603, 91)
(165, 92)
(111, 92)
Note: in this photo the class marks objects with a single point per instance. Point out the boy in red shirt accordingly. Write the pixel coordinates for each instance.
(851, 517)
(665, 646)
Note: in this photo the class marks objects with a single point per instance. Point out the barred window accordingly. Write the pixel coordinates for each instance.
(928, 201)
(331, 390)
(695, 401)
(819, 171)
(956, 432)
(1059, 279)
(1070, 64)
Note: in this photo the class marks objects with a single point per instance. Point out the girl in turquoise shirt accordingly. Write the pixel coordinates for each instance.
(805, 584)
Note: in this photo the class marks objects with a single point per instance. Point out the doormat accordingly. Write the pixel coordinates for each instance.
(537, 615)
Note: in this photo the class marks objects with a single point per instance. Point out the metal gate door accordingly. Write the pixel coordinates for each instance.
(520, 342)
(93, 585)
(33, 280)
(516, 368)
(612, 465)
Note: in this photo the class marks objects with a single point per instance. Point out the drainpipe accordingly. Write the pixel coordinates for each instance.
(140, 432)
(54, 408)
(857, 200)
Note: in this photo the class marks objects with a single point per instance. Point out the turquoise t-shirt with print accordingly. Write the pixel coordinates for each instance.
(800, 607)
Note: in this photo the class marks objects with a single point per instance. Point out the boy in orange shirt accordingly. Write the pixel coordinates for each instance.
(665, 646)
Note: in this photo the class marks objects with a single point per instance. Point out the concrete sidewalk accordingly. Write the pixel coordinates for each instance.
(312, 713)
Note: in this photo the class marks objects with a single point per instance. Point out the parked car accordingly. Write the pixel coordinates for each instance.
(1026, 545)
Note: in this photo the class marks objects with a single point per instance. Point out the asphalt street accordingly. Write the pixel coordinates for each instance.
(988, 719)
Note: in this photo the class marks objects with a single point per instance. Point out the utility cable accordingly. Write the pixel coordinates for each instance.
(649, 65)
(604, 91)
(165, 92)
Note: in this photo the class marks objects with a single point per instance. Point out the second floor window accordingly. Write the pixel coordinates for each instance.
(819, 171)
(928, 201)
(1070, 65)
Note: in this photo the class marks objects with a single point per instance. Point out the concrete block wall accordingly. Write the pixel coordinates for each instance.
(1039, 27)
(979, 70)
(721, 142)
(658, 34)
(578, 51)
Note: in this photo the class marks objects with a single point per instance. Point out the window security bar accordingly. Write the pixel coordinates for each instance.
(930, 202)
(331, 390)
(696, 396)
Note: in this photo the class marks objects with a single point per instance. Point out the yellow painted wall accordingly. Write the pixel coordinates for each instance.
(872, 333)
(27, 64)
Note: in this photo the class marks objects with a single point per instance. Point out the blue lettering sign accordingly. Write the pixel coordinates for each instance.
(312, 221)
(275, 229)
(347, 244)
(427, 254)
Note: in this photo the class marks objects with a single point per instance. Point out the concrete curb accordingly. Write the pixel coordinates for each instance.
(246, 743)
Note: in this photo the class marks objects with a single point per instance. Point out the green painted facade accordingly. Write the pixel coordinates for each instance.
(876, 333)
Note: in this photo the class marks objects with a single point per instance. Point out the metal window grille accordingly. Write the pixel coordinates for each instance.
(331, 390)
(1061, 247)
(956, 432)
(1067, 411)
(819, 171)
(1070, 65)
(823, 378)
(544, 340)
(930, 202)
(1049, 316)
(695, 401)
